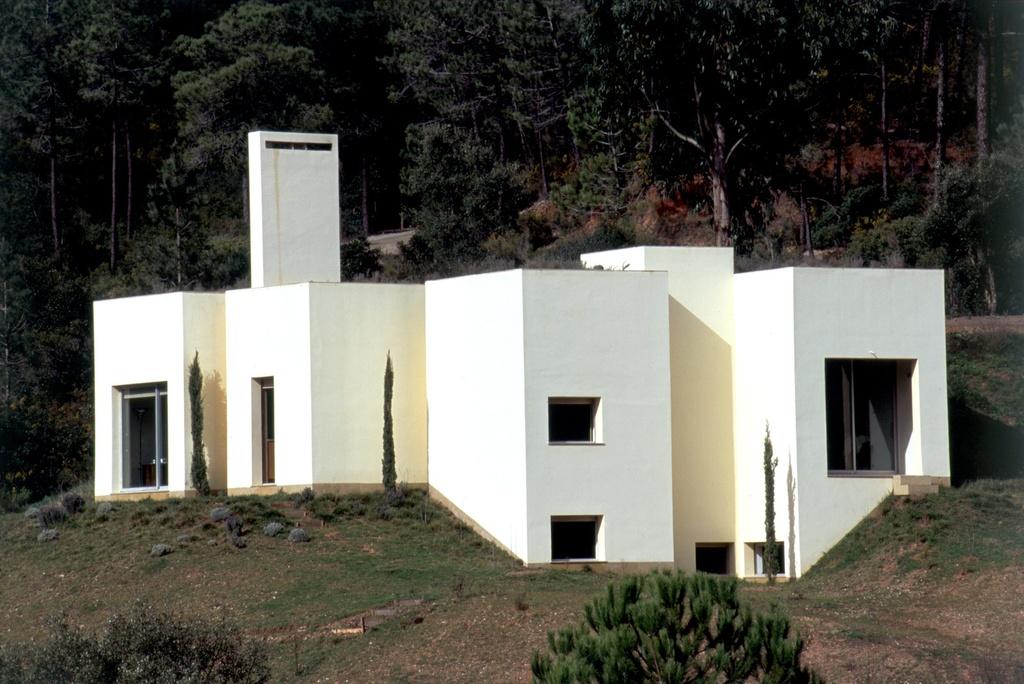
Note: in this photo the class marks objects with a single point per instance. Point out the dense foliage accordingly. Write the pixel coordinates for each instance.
(876, 132)
(141, 644)
(672, 628)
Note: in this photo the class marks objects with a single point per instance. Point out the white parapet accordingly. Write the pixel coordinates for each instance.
(294, 211)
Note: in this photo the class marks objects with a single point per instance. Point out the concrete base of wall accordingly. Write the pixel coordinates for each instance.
(638, 568)
(915, 485)
(341, 488)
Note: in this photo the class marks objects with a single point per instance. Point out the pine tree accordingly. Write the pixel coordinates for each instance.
(200, 482)
(771, 549)
(672, 628)
(388, 462)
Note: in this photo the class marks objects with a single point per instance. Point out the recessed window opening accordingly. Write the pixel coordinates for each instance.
(780, 558)
(311, 146)
(266, 386)
(713, 558)
(574, 538)
(144, 436)
(574, 420)
(860, 408)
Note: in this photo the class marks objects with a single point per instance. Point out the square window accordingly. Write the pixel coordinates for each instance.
(713, 558)
(860, 410)
(574, 538)
(780, 558)
(573, 420)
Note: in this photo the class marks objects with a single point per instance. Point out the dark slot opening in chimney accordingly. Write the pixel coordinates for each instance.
(312, 146)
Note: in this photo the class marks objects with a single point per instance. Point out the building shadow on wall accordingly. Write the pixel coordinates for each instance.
(214, 424)
(791, 498)
(982, 447)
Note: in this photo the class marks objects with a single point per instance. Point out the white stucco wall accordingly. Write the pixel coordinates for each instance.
(764, 393)
(294, 210)
(600, 334)
(864, 314)
(267, 335)
(701, 338)
(149, 340)
(788, 321)
(352, 327)
(476, 400)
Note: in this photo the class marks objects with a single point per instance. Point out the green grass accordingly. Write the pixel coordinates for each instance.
(925, 589)
(985, 372)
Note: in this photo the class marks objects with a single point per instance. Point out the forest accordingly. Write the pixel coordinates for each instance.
(504, 133)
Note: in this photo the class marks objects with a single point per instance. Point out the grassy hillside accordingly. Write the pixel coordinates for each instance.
(985, 365)
(923, 590)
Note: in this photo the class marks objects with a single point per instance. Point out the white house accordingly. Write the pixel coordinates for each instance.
(613, 415)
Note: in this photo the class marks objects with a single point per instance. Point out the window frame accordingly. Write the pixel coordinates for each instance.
(596, 427)
(125, 394)
(850, 438)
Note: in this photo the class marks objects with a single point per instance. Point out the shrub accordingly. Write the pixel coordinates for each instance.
(389, 475)
(48, 535)
(73, 503)
(672, 627)
(31, 513)
(359, 259)
(298, 535)
(273, 529)
(304, 497)
(220, 513)
(104, 509)
(143, 645)
(200, 481)
(51, 515)
(158, 550)
(12, 499)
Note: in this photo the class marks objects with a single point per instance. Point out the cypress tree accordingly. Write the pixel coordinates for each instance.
(771, 549)
(200, 482)
(388, 462)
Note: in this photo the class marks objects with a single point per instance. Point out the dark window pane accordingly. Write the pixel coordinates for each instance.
(874, 410)
(713, 559)
(573, 539)
(570, 422)
(838, 415)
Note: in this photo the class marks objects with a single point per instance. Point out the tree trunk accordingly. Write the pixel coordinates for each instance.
(720, 186)
(940, 106)
(923, 52)
(53, 203)
(113, 194)
(885, 131)
(177, 248)
(805, 223)
(999, 104)
(837, 149)
(366, 196)
(982, 97)
(542, 165)
(128, 199)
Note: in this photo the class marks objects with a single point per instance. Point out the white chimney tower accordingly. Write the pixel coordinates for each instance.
(294, 220)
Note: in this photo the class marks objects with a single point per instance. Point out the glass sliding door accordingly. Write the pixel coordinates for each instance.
(860, 414)
(144, 436)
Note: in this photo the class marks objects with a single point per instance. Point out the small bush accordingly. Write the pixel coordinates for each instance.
(184, 539)
(220, 513)
(160, 550)
(51, 515)
(273, 529)
(142, 645)
(298, 535)
(304, 497)
(48, 535)
(31, 513)
(73, 503)
(672, 627)
(13, 499)
(104, 509)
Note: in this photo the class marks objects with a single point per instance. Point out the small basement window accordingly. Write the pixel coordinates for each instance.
(574, 538)
(574, 420)
(713, 558)
(759, 565)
